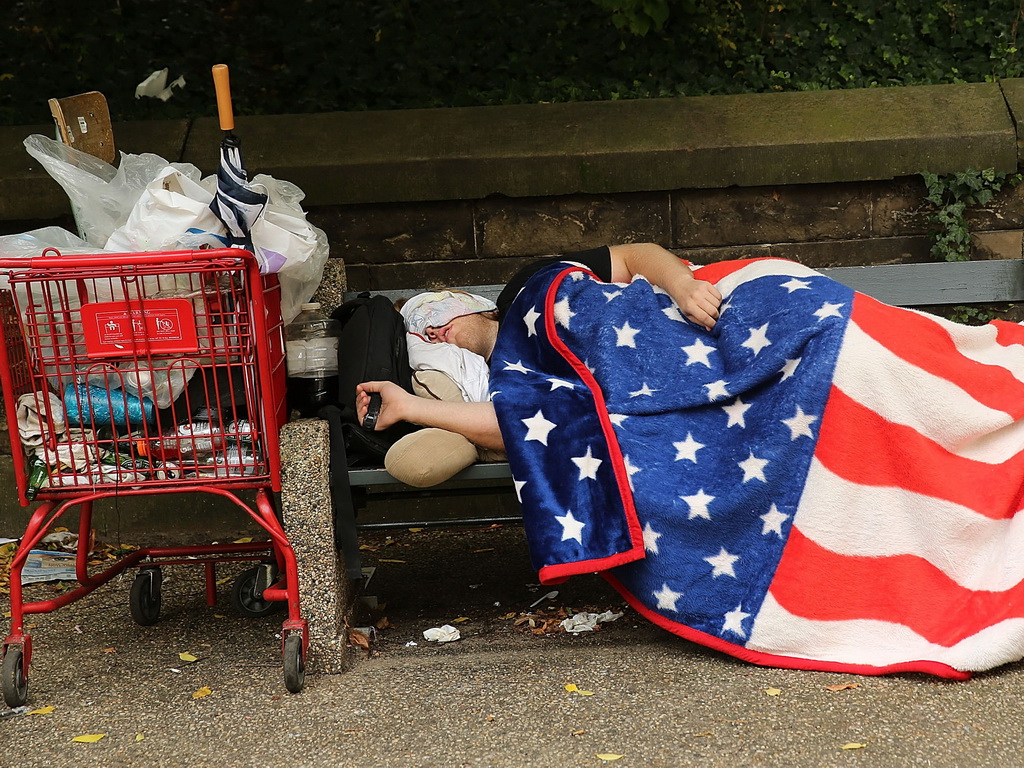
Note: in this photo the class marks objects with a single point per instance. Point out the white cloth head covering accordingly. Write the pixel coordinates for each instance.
(437, 308)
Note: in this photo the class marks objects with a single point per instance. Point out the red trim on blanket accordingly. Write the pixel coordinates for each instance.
(636, 552)
(783, 662)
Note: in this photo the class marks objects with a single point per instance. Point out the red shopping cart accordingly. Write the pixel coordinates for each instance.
(146, 373)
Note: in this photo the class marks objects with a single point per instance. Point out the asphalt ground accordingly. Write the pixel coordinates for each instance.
(496, 697)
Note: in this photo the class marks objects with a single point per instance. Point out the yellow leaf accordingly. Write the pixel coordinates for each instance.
(187, 657)
(773, 691)
(580, 732)
(139, 737)
(223, 581)
(415, 530)
(42, 711)
(571, 687)
(585, 693)
(460, 619)
(89, 738)
(204, 691)
(609, 756)
(243, 540)
(383, 560)
(853, 745)
(219, 616)
(508, 616)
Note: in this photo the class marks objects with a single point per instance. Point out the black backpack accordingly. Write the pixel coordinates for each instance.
(371, 347)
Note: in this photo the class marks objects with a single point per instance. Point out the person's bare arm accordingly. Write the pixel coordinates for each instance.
(477, 422)
(698, 299)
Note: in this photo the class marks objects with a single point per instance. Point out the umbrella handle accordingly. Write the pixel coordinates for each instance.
(222, 85)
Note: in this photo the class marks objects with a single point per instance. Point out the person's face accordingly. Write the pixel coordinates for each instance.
(473, 332)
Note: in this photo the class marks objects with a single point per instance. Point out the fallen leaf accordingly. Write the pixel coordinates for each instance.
(853, 745)
(89, 738)
(580, 732)
(223, 581)
(773, 691)
(571, 687)
(460, 619)
(204, 691)
(41, 711)
(383, 623)
(357, 638)
(243, 540)
(219, 616)
(415, 530)
(139, 737)
(842, 687)
(488, 549)
(508, 616)
(609, 756)
(385, 560)
(110, 650)
(187, 657)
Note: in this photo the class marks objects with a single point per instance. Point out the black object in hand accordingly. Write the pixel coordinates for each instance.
(372, 412)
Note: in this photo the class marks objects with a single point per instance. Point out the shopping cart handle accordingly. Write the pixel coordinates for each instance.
(52, 257)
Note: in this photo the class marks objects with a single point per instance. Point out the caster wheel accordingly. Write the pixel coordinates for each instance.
(144, 601)
(247, 592)
(294, 664)
(15, 684)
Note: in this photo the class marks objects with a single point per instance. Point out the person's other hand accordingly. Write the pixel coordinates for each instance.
(392, 399)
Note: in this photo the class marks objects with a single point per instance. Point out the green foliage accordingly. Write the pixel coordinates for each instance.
(952, 195)
(971, 315)
(323, 55)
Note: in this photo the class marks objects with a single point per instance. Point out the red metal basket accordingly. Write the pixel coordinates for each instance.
(143, 373)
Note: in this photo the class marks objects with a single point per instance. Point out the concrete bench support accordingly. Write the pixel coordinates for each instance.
(309, 522)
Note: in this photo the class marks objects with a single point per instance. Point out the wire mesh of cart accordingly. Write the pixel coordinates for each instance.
(146, 373)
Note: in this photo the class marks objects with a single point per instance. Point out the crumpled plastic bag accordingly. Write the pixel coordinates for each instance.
(105, 198)
(172, 213)
(587, 622)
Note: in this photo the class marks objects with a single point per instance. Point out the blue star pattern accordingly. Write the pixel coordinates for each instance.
(643, 443)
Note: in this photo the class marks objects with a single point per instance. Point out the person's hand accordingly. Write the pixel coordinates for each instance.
(699, 300)
(392, 400)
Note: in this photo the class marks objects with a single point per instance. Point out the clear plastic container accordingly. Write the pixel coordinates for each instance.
(311, 358)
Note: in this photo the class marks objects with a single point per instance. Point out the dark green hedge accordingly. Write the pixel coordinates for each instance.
(317, 55)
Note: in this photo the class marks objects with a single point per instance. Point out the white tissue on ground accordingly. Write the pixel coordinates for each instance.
(587, 622)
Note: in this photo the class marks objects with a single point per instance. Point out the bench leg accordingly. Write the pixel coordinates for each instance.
(306, 509)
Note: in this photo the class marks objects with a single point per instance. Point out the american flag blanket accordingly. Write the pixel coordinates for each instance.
(821, 482)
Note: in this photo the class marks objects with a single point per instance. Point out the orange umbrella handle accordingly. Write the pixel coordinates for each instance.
(222, 84)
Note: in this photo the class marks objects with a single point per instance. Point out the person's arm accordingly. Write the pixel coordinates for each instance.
(698, 299)
(477, 422)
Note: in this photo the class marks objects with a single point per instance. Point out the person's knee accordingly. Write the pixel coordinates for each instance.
(429, 456)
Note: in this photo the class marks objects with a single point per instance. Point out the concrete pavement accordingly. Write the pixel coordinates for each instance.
(496, 697)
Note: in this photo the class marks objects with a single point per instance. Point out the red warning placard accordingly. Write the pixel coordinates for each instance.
(153, 326)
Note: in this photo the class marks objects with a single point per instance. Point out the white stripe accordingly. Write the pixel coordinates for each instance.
(879, 643)
(763, 268)
(978, 343)
(975, 551)
(902, 393)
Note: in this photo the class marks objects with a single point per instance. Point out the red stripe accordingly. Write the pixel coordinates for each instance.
(921, 341)
(816, 583)
(775, 660)
(858, 445)
(1008, 334)
(712, 273)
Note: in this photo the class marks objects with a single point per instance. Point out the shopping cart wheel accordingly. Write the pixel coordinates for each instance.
(15, 684)
(144, 601)
(294, 664)
(247, 591)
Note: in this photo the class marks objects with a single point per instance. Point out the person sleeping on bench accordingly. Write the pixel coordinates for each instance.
(459, 432)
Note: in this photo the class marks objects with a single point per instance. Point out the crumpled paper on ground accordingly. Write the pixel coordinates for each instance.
(587, 622)
(445, 634)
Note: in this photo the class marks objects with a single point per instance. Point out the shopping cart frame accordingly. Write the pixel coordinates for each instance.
(256, 298)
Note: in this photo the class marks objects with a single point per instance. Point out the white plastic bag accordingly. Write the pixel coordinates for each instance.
(101, 195)
(171, 210)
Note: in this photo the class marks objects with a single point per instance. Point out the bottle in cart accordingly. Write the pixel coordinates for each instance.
(311, 357)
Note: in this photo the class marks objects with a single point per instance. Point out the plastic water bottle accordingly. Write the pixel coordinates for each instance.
(311, 358)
